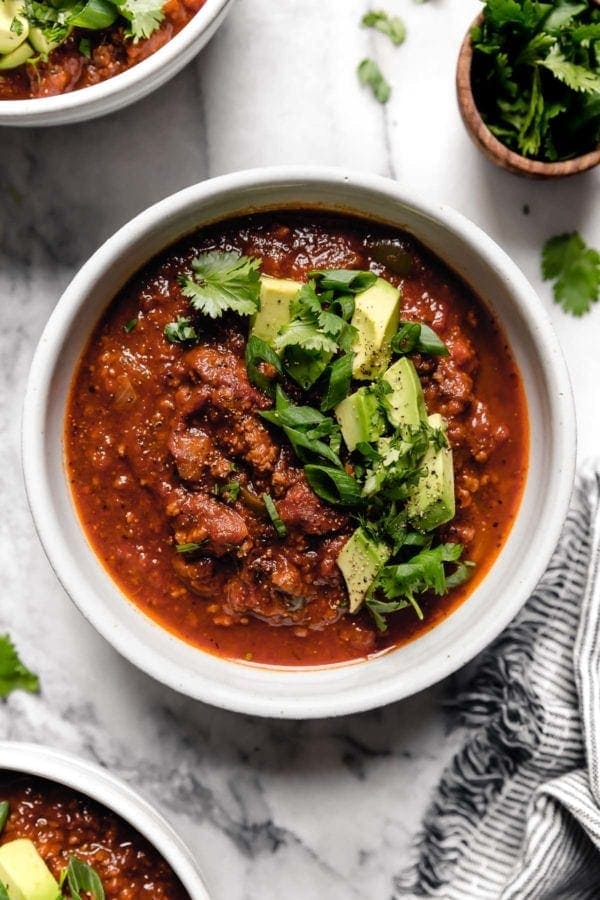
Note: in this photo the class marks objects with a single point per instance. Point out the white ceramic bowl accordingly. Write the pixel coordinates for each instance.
(100, 785)
(131, 85)
(325, 691)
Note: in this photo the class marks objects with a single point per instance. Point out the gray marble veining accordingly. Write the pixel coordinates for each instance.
(273, 809)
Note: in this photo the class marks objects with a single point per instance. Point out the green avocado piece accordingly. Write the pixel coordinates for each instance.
(14, 25)
(360, 418)
(376, 316)
(24, 873)
(360, 560)
(17, 57)
(406, 404)
(276, 294)
(432, 502)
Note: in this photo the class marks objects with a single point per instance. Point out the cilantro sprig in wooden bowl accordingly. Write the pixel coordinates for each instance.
(528, 84)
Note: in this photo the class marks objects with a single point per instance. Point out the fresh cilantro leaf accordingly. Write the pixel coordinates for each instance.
(82, 880)
(16, 26)
(230, 491)
(578, 78)
(536, 75)
(392, 26)
(223, 281)
(399, 583)
(13, 674)
(144, 16)
(180, 331)
(353, 280)
(370, 75)
(575, 269)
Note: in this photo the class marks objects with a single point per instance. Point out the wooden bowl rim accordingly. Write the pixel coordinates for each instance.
(495, 149)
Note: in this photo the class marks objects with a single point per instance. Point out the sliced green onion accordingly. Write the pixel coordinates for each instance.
(274, 516)
(333, 485)
(132, 322)
(4, 811)
(188, 548)
(340, 378)
(95, 15)
(258, 351)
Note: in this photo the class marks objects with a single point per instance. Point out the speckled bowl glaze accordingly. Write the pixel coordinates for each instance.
(127, 87)
(318, 691)
(100, 785)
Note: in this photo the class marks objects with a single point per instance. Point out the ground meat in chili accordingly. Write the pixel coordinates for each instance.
(62, 823)
(156, 431)
(111, 52)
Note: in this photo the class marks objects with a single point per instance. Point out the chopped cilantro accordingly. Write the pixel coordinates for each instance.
(180, 331)
(13, 674)
(16, 26)
(371, 76)
(223, 281)
(392, 26)
(536, 76)
(144, 16)
(575, 269)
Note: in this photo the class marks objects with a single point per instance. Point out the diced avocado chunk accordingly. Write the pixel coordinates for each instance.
(432, 502)
(406, 404)
(376, 317)
(360, 418)
(24, 873)
(14, 25)
(360, 560)
(276, 294)
(17, 57)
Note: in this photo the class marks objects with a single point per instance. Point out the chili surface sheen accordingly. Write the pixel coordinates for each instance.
(111, 52)
(153, 429)
(62, 823)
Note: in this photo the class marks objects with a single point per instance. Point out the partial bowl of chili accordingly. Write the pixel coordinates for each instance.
(68, 62)
(226, 527)
(63, 819)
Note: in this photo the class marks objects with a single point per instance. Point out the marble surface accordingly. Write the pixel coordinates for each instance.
(272, 809)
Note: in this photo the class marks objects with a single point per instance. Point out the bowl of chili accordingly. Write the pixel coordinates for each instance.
(194, 500)
(68, 62)
(77, 819)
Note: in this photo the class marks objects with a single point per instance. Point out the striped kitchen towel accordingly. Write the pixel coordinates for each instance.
(517, 813)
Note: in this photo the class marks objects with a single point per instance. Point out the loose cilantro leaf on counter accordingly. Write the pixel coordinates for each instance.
(575, 269)
(180, 331)
(536, 76)
(13, 674)
(392, 26)
(144, 16)
(370, 75)
(223, 281)
(82, 881)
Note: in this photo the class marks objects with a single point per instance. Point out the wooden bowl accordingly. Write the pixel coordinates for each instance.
(495, 151)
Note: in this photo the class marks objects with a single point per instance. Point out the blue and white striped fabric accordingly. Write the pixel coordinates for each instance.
(517, 813)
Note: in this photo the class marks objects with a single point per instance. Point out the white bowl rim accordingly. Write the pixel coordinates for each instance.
(100, 785)
(70, 106)
(34, 451)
